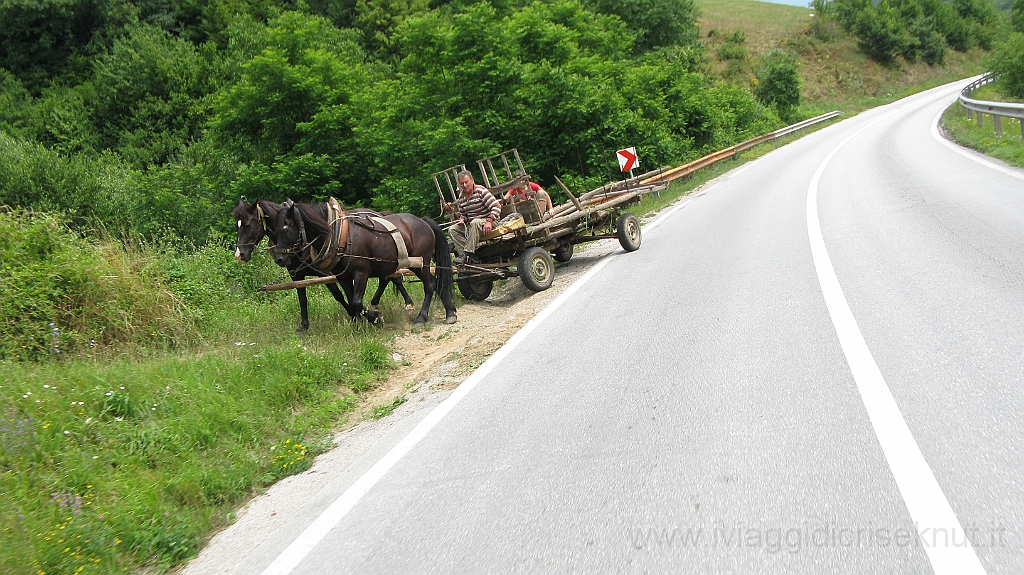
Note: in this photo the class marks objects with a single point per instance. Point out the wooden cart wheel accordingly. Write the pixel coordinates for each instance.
(536, 269)
(628, 231)
(475, 289)
(562, 253)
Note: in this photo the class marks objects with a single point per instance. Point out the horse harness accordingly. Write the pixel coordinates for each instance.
(332, 251)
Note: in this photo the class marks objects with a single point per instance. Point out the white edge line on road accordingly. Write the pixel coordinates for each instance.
(974, 156)
(330, 517)
(921, 493)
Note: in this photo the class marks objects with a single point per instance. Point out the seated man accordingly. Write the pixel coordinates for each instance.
(478, 209)
(530, 191)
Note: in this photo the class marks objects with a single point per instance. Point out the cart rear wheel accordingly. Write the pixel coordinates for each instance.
(536, 269)
(475, 289)
(562, 253)
(628, 231)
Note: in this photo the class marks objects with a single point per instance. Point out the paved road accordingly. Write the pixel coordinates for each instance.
(813, 367)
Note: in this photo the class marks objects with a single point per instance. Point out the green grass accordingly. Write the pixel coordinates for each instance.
(1008, 147)
(124, 456)
(835, 75)
(113, 464)
(385, 410)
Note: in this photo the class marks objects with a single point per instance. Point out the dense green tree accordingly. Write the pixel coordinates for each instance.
(880, 32)
(15, 104)
(39, 37)
(1008, 62)
(778, 81)
(289, 116)
(1017, 15)
(149, 94)
(654, 22)
(379, 19)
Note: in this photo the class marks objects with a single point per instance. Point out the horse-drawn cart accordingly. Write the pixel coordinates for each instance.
(525, 243)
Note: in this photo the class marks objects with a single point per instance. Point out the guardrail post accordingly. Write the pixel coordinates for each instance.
(970, 113)
(998, 125)
(1022, 128)
(980, 117)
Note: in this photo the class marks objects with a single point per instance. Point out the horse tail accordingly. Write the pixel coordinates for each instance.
(443, 279)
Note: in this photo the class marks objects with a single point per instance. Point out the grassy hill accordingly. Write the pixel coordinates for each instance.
(836, 75)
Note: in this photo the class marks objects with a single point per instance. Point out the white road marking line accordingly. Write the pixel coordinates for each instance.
(921, 493)
(1016, 173)
(330, 517)
(664, 216)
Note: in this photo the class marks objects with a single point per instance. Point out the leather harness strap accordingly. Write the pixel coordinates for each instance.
(404, 261)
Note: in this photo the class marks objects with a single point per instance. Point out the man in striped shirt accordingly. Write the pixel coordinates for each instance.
(478, 210)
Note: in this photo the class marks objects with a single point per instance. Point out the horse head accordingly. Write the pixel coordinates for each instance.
(288, 228)
(251, 223)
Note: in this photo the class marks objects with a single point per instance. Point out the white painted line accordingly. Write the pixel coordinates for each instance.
(664, 216)
(330, 517)
(976, 156)
(921, 493)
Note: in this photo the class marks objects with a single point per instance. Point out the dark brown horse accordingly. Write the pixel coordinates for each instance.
(356, 247)
(255, 220)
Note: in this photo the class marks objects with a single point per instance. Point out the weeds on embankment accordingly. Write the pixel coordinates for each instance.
(159, 400)
(1008, 146)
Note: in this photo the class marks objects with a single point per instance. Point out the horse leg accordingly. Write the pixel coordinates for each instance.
(338, 295)
(350, 293)
(303, 310)
(400, 286)
(382, 284)
(359, 290)
(428, 294)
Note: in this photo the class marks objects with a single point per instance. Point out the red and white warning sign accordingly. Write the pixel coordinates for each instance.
(627, 159)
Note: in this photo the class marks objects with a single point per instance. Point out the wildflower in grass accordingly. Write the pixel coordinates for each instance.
(289, 454)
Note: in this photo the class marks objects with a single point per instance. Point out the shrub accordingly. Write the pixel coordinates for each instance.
(61, 292)
(32, 176)
(732, 52)
(1008, 62)
(1017, 15)
(880, 33)
(778, 81)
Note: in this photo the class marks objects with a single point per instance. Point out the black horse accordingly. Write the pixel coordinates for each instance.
(255, 220)
(356, 247)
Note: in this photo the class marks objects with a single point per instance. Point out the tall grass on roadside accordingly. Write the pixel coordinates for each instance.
(1008, 146)
(112, 466)
(63, 292)
(166, 391)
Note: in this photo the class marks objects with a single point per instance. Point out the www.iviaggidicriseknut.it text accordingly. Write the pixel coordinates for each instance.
(794, 539)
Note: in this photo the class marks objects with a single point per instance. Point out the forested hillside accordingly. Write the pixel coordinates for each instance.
(159, 115)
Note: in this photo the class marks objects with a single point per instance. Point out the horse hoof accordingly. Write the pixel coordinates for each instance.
(418, 324)
(452, 318)
(409, 307)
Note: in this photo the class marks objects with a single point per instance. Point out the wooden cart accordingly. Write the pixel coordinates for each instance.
(527, 245)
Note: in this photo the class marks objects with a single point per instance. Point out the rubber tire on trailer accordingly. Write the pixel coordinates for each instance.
(475, 290)
(562, 253)
(628, 231)
(536, 269)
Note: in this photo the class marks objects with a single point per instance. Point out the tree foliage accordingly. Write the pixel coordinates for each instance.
(778, 81)
(915, 29)
(156, 115)
(1008, 62)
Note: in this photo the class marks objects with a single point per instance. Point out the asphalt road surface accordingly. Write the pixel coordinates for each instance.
(814, 366)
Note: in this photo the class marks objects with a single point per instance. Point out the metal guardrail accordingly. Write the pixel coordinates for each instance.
(996, 109)
(733, 151)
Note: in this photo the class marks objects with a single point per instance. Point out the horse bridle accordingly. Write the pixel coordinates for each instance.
(263, 232)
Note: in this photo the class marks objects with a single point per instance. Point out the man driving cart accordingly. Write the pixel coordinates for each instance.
(478, 210)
